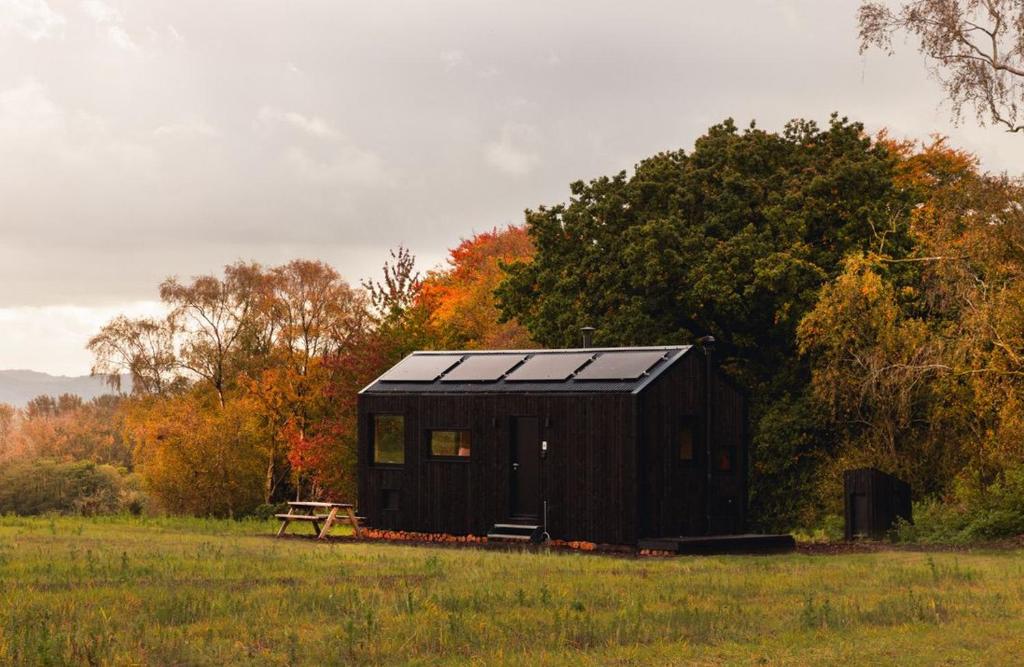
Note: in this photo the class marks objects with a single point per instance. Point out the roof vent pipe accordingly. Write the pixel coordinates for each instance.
(588, 336)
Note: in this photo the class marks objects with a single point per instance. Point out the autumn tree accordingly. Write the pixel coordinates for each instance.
(8, 416)
(315, 315)
(66, 428)
(198, 456)
(884, 380)
(460, 296)
(142, 349)
(975, 49)
(212, 318)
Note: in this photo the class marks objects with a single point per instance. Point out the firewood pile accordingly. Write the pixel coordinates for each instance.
(409, 536)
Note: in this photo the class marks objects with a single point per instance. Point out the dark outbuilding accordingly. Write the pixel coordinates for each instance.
(604, 445)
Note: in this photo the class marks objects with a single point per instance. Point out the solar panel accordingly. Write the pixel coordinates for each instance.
(421, 368)
(483, 368)
(549, 367)
(620, 365)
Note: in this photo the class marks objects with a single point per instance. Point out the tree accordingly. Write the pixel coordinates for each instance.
(197, 456)
(734, 240)
(460, 296)
(884, 381)
(7, 426)
(976, 49)
(141, 348)
(316, 316)
(67, 428)
(213, 317)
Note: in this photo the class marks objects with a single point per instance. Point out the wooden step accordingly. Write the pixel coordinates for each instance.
(518, 532)
(505, 536)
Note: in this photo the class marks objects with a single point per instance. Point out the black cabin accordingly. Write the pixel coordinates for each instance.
(604, 445)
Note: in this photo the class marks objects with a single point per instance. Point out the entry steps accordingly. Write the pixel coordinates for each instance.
(516, 532)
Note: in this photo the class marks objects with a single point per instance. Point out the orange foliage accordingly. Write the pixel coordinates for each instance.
(460, 298)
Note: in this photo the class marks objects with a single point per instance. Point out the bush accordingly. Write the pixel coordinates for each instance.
(975, 513)
(80, 487)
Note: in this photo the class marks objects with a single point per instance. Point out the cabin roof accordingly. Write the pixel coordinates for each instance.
(582, 370)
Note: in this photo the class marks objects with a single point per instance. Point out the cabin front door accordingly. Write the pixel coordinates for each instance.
(525, 467)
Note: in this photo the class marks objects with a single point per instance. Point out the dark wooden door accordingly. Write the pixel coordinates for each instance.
(525, 467)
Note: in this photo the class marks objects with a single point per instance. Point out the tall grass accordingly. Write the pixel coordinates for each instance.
(191, 591)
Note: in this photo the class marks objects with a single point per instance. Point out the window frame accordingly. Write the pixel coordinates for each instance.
(428, 444)
(373, 440)
(695, 424)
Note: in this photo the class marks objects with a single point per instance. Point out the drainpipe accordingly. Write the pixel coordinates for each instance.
(707, 344)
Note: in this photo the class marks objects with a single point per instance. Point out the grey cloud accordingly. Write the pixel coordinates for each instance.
(141, 139)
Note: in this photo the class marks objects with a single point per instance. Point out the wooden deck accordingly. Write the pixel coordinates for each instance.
(722, 544)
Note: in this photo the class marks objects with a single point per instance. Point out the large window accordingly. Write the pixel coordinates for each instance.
(449, 444)
(389, 439)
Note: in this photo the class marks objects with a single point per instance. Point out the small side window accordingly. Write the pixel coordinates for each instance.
(450, 444)
(724, 459)
(389, 439)
(687, 443)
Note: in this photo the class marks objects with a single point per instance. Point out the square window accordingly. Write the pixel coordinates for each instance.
(389, 439)
(389, 500)
(449, 444)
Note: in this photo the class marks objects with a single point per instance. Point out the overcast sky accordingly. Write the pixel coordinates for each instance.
(145, 139)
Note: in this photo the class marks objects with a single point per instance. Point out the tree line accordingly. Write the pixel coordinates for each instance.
(866, 292)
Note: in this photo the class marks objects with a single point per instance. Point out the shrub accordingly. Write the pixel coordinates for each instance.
(975, 512)
(42, 485)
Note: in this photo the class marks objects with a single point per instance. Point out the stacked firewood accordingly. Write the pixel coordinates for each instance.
(409, 536)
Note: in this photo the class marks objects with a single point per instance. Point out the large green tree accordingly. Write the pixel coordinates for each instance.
(733, 239)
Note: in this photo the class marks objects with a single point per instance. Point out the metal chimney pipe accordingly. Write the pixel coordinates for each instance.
(588, 336)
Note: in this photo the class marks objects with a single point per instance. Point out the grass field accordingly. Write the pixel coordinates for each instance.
(196, 592)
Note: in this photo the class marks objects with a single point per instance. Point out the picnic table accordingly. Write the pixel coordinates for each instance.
(308, 511)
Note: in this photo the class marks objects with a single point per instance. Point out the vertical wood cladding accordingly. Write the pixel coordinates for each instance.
(612, 472)
(672, 491)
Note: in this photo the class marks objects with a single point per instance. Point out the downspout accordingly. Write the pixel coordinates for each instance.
(707, 344)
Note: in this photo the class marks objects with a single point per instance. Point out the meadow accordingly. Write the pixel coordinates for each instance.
(126, 591)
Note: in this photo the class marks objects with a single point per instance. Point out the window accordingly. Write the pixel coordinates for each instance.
(724, 459)
(686, 438)
(449, 444)
(389, 439)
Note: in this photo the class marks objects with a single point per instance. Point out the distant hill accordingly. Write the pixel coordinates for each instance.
(19, 387)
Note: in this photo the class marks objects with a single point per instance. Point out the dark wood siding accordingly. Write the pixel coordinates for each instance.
(672, 491)
(612, 474)
(589, 476)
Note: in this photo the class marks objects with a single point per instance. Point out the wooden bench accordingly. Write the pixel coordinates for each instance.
(307, 511)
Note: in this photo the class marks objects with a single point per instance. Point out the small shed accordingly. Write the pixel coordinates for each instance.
(608, 445)
(874, 502)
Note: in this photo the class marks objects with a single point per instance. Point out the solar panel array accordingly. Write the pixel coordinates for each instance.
(483, 368)
(620, 365)
(421, 368)
(525, 367)
(549, 367)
